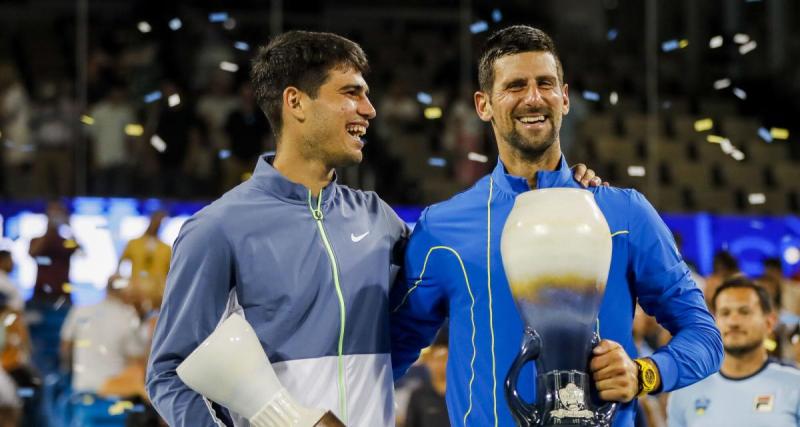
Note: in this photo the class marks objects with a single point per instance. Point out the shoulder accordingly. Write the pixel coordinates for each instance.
(476, 196)
(784, 372)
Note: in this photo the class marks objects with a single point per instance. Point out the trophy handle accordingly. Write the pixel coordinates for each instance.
(526, 414)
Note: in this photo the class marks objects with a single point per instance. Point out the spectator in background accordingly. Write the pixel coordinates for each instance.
(247, 130)
(10, 405)
(750, 389)
(16, 149)
(427, 407)
(725, 266)
(52, 252)
(174, 126)
(53, 132)
(215, 106)
(98, 341)
(112, 149)
(7, 286)
(148, 254)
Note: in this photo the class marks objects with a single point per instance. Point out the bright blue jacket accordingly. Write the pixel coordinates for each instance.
(453, 270)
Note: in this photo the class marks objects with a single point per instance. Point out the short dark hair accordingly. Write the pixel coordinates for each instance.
(741, 282)
(4, 254)
(301, 59)
(510, 41)
(773, 263)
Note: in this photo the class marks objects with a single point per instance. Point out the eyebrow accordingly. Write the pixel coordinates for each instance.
(357, 87)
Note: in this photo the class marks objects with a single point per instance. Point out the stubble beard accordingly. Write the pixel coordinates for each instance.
(531, 151)
(742, 349)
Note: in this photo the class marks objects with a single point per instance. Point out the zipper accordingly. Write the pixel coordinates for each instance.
(316, 213)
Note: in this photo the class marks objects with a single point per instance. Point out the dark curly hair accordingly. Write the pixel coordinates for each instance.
(301, 59)
(510, 41)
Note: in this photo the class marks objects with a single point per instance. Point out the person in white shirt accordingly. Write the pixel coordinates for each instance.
(98, 341)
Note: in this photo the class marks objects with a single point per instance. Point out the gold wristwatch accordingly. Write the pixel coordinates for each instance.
(649, 377)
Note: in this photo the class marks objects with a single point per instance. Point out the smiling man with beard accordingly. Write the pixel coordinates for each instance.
(750, 389)
(453, 269)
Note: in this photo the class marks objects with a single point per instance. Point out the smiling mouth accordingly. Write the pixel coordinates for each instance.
(532, 120)
(356, 131)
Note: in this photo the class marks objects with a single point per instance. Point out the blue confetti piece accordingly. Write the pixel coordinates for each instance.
(25, 392)
(152, 96)
(437, 162)
(478, 27)
(175, 24)
(612, 34)
(591, 96)
(224, 154)
(218, 17)
(424, 98)
(497, 16)
(242, 46)
(765, 134)
(669, 45)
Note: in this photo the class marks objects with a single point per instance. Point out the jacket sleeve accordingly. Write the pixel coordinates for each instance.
(665, 289)
(195, 299)
(417, 300)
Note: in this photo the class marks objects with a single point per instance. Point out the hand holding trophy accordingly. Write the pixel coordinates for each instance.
(556, 249)
(231, 368)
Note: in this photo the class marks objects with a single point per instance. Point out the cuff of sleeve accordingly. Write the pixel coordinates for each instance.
(667, 368)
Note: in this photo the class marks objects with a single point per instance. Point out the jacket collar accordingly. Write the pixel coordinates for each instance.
(268, 179)
(560, 177)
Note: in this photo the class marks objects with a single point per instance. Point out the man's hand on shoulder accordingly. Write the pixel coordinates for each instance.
(586, 176)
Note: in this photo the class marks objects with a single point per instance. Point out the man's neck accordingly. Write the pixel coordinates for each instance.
(744, 365)
(517, 164)
(311, 173)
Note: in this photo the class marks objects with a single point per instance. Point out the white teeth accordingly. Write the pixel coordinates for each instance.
(357, 130)
(532, 119)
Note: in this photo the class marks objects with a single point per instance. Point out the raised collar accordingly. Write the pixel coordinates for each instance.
(267, 178)
(560, 177)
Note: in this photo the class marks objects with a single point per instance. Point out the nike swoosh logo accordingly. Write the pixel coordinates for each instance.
(358, 238)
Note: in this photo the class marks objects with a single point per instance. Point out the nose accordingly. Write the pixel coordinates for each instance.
(533, 96)
(366, 109)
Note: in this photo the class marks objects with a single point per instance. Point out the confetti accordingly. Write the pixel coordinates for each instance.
(424, 98)
(242, 46)
(70, 244)
(87, 120)
(741, 94)
(158, 143)
(87, 398)
(120, 407)
(224, 154)
(683, 43)
(737, 155)
(152, 97)
(497, 16)
(475, 157)
(228, 66)
(134, 129)
(67, 288)
(612, 34)
(218, 17)
(120, 283)
(636, 171)
(59, 302)
(716, 139)
(9, 319)
(703, 125)
(779, 133)
(715, 42)
(478, 27)
(175, 24)
(741, 38)
(437, 162)
(792, 256)
(25, 392)
(433, 113)
(756, 198)
(591, 96)
(43, 260)
(613, 98)
(765, 134)
(174, 100)
(747, 47)
(669, 45)
(144, 27)
(722, 84)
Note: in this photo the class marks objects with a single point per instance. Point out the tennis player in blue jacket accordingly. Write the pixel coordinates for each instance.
(453, 268)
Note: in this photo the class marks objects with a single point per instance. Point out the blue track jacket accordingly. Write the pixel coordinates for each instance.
(311, 275)
(453, 269)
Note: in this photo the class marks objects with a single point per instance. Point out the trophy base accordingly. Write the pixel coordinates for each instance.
(329, 420)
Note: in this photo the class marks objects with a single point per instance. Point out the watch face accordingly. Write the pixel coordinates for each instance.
(649, 377)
